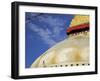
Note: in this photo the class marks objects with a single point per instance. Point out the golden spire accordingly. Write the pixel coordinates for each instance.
(79, 19)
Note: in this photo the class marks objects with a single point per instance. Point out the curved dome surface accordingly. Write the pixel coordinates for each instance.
(73, 50)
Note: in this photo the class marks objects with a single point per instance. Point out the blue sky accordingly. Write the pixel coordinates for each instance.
(42, 31)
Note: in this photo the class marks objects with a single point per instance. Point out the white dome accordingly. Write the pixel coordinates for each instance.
(74, 50)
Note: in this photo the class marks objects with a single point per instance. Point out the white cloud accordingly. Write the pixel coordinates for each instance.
(56, 24)
(44, 34)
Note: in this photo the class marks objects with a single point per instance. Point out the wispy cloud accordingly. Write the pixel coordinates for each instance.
(55, 23)
(45, 35)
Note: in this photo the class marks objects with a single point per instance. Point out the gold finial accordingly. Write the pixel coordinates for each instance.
(79, 19)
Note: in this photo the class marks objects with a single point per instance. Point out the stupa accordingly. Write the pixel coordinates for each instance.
(73, 51)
